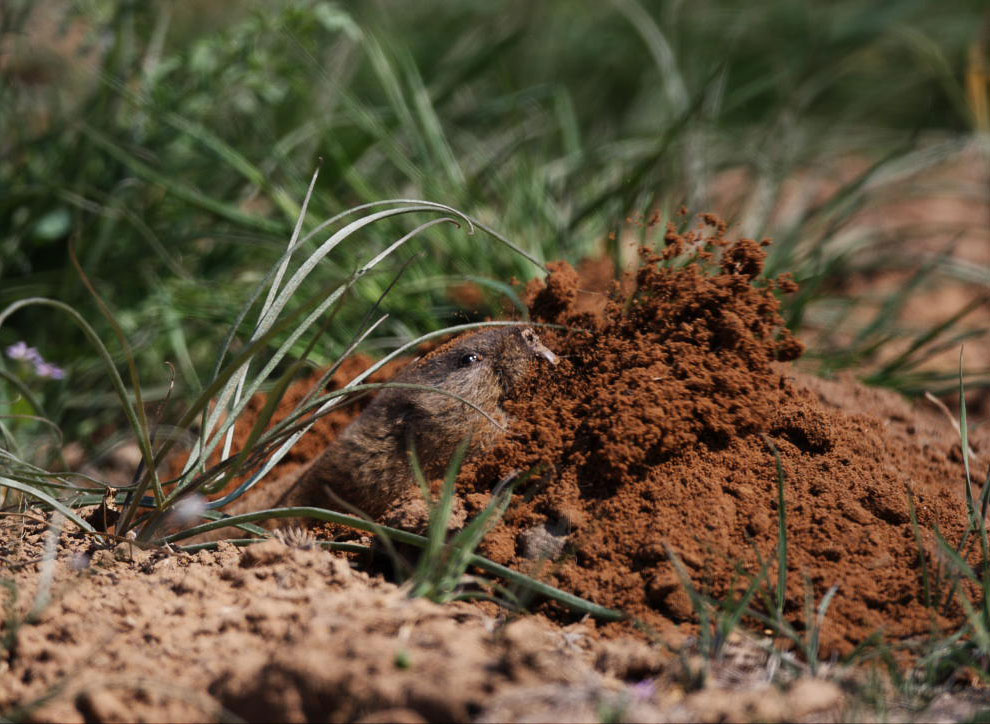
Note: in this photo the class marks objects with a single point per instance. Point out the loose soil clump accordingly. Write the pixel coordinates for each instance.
(657, 434)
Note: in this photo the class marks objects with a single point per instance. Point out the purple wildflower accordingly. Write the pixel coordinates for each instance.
(20, 351)
(47, 369)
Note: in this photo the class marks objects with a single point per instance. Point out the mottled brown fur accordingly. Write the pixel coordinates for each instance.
(368, 466)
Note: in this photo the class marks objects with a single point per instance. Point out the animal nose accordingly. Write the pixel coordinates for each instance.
(538, 348)
(545, 353)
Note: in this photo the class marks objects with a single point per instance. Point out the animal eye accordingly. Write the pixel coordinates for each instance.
(469, 359)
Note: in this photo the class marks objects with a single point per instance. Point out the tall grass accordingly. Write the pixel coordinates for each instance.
(960, 575)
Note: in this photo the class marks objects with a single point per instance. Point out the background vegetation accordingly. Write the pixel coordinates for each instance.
(171, 143)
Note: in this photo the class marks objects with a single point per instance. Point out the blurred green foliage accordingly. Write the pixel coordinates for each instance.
(171, 143)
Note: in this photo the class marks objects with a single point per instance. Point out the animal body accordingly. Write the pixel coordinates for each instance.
(368, 466)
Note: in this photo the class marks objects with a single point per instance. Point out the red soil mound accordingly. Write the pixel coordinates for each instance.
(657, 430)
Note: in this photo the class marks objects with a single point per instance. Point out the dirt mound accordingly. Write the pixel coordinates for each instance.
(658, 430)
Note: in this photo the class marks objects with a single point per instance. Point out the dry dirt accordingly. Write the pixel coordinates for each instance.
(656, 433)
(273, 633)
(279, 633)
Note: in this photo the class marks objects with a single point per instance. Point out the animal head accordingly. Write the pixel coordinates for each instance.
(485, 367)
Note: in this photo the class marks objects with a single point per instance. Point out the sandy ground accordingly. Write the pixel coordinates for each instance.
(287, 634)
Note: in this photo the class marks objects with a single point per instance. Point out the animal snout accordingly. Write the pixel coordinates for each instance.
(537, 347)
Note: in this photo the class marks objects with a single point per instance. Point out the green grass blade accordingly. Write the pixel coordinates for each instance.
(440, 514)
(977, 520)
(25, 392)
(954, 558)
(903, 359)
(977, 624)
(367, 327)
(236, 161)
(661, 50)
(431, 126)
(181, 191)
(739, 608)
(816, 629)
(462, 547)
(341, 546)
(926, 586)
(697, 602)
(271, 405)
(985, 496)
(964, 439)
(142, 431)
(781, 531)
(272, 293)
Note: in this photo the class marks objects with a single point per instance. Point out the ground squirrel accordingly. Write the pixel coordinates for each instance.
(368, 465)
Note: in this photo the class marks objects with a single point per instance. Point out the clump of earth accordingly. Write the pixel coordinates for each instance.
(658, 435)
